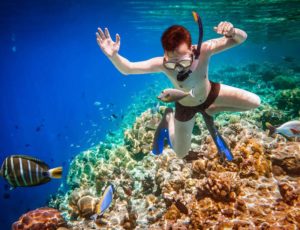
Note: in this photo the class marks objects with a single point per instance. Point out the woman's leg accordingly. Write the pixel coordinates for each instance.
(212, 110)
(233, 99)
(180, 133)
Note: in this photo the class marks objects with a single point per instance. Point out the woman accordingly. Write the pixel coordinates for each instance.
(211, 97)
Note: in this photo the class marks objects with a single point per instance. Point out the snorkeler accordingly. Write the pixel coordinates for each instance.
(187, 70)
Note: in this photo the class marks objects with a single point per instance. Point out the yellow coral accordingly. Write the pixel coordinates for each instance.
(172, 213)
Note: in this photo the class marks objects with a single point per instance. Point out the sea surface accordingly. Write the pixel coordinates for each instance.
(60, 95)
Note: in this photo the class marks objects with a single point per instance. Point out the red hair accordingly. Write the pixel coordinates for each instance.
(174, 36)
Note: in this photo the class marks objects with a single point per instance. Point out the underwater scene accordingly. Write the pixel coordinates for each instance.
(138, 114)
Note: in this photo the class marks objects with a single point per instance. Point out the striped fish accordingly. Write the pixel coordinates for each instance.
(25, 171)
(104, 202)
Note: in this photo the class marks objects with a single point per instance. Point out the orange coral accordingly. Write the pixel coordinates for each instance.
(172, 213)
(254, 162)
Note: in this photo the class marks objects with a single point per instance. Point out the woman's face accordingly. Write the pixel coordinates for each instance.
(180, 59)
(182, 50)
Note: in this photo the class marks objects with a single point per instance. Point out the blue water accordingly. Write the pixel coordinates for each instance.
(52, 72)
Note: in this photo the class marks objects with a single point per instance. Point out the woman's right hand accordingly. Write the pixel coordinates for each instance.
(107, 45)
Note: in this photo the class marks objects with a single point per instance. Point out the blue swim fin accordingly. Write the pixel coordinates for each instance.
(223, 149)
(161, 134)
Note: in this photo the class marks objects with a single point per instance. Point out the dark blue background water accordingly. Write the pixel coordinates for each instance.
(52, 71)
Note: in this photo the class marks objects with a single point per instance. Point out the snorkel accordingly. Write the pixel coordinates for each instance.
(182, 75)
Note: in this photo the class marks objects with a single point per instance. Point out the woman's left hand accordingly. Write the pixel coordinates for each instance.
(225, 28)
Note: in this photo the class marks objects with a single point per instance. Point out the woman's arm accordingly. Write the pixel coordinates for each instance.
(232, 37)
(126, 67)
(111, 49)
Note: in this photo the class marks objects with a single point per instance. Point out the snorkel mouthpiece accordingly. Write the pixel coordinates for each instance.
(182, 75)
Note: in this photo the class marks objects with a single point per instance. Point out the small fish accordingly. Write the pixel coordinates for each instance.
(6, 187)
(114, 116)
(97, 103)
(155, 108)
(288, 129)
(27, 145)
(252, 81)
(104, 202)
(172, 95)
(109, 105)
(288, 59)
(38, 128)
(181, 207)
(127, 190)
(25, 171)
(6, 196)
(111, 133)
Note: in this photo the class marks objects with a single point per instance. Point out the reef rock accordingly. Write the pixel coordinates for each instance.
(287, 157)
(40, 219)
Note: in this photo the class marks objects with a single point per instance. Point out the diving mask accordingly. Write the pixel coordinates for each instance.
(179, 65)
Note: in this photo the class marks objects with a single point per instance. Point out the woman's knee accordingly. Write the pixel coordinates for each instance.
(255, 101)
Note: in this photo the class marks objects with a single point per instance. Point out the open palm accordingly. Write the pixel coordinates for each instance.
(107, 45)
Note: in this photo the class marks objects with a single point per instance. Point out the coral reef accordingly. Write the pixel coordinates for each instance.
(138, 139)
(285, 82)
(288, 100)
(40, 219)
(259, 189)
(273, 116)
(256, 190)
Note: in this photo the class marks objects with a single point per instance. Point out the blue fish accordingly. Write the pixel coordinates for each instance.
(104, 202)
(161, 134)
